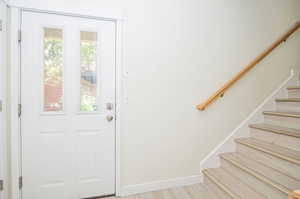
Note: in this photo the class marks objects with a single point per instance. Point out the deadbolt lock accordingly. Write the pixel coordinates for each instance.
(109, 106)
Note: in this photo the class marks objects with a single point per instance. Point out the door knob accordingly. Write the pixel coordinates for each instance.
(109, 118)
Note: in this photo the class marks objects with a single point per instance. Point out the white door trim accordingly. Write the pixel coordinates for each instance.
(3, 119)
(15, 89)
(15, 22)
(6, 2)
(119, 94)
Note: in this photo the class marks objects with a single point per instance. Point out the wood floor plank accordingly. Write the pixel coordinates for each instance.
(167, 194)
(196, 191)
(158, 195)
(180, 193)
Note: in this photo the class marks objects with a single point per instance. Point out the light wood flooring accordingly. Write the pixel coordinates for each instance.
(197, 191)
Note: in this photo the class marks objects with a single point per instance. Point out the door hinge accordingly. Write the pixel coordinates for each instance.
(1, 25)
(20, 182)
(19, 110)
(1, 185)
(19, 36)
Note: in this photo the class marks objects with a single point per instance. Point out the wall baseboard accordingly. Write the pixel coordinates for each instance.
(228, 145)
(159, 185)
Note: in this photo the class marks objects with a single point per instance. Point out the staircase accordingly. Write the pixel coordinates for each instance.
(265, 165)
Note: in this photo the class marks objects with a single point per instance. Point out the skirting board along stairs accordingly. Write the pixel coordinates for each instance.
(265, 165)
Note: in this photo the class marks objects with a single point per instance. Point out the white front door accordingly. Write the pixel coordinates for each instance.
(68, 98)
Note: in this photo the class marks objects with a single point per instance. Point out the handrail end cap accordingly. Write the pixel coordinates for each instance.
(201, 107)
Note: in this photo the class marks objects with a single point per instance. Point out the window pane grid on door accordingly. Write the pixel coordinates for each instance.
(53, 70)
(88, 72)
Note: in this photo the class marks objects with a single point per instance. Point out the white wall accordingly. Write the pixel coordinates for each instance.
(103, 8)
(176, 54)
(3, 91)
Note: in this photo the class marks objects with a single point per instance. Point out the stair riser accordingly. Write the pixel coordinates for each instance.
(278, 139)
(288, 168)
(268, 172)
(289, 122)
(295, 93)
(252, 181)
(218, 192)
(288, 106)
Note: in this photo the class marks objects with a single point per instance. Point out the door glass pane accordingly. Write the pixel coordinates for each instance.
(88, 71)
(53, 69)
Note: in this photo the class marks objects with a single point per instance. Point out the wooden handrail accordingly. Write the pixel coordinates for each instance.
(295, 195)
(258, 59)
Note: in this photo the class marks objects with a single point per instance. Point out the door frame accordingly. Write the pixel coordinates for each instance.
(3, 121)
(15, 14)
